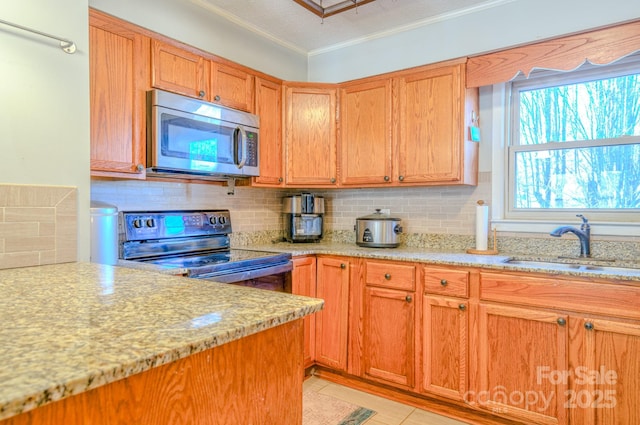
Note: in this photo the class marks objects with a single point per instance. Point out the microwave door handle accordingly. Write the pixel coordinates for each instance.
(243, 135)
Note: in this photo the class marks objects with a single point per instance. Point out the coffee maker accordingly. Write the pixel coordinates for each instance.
(303, 217)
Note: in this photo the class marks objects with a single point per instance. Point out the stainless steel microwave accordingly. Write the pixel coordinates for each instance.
(190, 138)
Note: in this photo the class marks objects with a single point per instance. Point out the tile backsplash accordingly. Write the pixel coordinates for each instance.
(38, 225)
(447, 210)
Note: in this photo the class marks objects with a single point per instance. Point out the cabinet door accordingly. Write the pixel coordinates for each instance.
(231, 87)
(269, 109)
(303, 279)
(388, 335)
(179, 71)
(430, 105)
(605, 388)
(310, 136)
(445, 346)
(331, 322)
(517, 347)
(118, 59)
(366, 133)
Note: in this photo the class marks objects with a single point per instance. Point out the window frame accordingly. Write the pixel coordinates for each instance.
(542, 79)
(619, 223)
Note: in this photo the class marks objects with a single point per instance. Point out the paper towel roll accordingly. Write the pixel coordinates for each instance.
(482, 226)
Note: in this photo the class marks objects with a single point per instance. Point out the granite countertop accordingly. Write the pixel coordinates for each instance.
(69, 328)
(622, 270)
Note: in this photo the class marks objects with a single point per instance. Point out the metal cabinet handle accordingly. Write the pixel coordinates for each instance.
(561, 321)
(139, 168)
(217, 98)
(386, 178)
(462, 307)
(280, 179)
(387, 276)
(333, 180)
(408, 298)
(343, 266)
(588, 326)
(401, 178)
(443, 282)
(201, 93)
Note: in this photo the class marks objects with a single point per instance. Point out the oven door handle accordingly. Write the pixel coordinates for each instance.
(246, 274)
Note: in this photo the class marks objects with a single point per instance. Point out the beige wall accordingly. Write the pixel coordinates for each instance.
(44, 124)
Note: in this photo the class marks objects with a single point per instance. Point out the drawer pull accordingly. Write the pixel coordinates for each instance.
(588, 326)
(561, 321)
(462, 307)
(343, 266)
(408, 298)
(444, 282)
(387, 276)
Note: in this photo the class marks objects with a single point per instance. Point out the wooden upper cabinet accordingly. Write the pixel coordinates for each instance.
(231, 87)
(366, 133)
(432, 127)
(178, 70)
(118, 64)
(269, 109)
(310, 136)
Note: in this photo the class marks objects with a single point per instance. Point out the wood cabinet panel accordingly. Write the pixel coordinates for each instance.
(332, 322)
(515, 346)
(388, 339)
(391, 275)
(179, 71)
(445, 328)
(604, 374)
(448, 282)
(118, 58)
(366, 133)
(231, 87)
(303, 277)
(310, 136)
(228, 384)
(268, 107)
(432, 146)
(615, 299)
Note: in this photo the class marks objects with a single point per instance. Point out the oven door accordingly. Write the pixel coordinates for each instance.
(275, 277)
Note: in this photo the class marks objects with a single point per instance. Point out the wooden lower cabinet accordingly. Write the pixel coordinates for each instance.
(605, 371)
(388, 335)
(254, 380)
(303, 277)
(332, 321)
(445, 327)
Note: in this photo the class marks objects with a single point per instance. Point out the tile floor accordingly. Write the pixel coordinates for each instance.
(387, 412)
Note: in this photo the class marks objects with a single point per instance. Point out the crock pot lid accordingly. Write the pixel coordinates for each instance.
(378, 216)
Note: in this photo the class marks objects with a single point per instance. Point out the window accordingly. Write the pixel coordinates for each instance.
(575, 144)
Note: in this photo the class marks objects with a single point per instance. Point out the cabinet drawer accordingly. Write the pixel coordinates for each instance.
(454, 283)
(388, 275)
(614, 299)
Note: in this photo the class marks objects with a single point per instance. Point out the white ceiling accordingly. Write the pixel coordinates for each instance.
(290, 24)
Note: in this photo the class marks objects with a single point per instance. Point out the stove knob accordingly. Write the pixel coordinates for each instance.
(212, 219)
(137, 223)
(222, 220)
(151, 222)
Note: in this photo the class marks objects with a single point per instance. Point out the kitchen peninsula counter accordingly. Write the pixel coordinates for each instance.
(71, 328)
(453, 258)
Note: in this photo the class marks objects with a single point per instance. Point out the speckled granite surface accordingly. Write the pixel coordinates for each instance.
(68, 328)
(459, 258)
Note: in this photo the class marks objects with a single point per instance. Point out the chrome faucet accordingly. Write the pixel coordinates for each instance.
(584, 234)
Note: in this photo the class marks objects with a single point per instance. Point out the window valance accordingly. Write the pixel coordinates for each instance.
(600, 47)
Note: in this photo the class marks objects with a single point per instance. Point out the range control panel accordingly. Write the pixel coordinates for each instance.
(138, 226)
